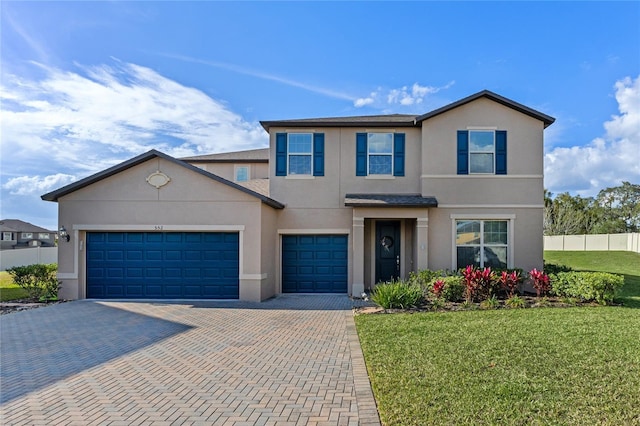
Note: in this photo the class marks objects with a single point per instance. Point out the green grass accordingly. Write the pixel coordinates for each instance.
(569, 366)
(9, 290)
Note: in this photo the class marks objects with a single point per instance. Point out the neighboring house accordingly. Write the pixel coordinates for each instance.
(16, 234)
(349, 202)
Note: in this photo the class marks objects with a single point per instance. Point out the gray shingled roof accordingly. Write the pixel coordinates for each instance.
(261, 186)
(406, 120)
(389, 200)
(55, 195)
(16, 225)
(398, 120)
(249, 156)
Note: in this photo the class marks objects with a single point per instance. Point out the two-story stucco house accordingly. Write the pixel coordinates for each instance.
(18, 234)
(335, 205)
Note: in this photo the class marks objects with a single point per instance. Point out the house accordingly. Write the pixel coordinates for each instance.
(349, 202)
(17, 234)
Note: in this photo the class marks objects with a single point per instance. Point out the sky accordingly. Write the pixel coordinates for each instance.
(87, 85)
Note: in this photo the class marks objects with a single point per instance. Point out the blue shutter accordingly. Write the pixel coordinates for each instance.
(398, 154)
(281, 154)
(318, 154)
(361, 154)
(463, 152)
(501, 152)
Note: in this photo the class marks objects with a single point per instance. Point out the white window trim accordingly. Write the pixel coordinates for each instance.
(380, 176)
(289, 154)
(26, 235)
(511, 218)
(5, 234)
(43, 236)
(493, 152)
(235, 172)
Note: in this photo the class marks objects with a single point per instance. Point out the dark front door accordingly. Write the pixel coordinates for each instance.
(387, 250)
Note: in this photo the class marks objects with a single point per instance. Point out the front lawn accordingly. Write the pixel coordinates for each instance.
(532, 366)
(9, 290)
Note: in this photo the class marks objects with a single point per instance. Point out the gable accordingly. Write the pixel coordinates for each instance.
(128, 181)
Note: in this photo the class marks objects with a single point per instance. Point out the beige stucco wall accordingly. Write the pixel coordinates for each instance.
(189, 202)
(523, 183)
(227, 170)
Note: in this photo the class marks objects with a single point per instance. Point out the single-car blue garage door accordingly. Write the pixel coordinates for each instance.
(314, 263)
(163, 265)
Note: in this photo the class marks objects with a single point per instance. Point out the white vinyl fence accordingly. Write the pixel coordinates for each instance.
(28, 256)
(595, 242)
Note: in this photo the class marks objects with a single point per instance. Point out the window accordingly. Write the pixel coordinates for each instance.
(26, 235)
(482, 152)
(43, 236)
(379, 154)
(7, 236)
(242, 173)
(299, 154)
(482, 243)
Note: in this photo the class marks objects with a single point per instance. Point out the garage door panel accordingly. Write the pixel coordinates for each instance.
(314, 263)
(163, 265)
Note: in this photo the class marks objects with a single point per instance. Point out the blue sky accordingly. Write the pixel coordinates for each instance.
(86, 85)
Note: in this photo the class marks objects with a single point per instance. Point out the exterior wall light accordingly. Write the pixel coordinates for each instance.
(63, 234)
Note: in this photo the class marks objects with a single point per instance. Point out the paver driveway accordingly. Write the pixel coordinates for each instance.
(289, 360)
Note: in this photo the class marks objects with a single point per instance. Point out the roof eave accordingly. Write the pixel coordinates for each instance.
(266, 125)
(546, 119)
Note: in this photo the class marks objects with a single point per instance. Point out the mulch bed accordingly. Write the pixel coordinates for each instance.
(18, 305)
(530, 302)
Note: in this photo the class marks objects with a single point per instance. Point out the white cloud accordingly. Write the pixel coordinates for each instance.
(30, 185)
(99, 116)
(606, 161)
(403, 96)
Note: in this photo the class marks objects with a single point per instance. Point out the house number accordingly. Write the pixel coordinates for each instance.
(158, 227)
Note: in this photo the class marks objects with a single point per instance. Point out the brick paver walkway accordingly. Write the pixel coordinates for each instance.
(288, 361)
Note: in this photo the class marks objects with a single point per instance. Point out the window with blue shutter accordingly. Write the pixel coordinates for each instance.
(299, 154)
(482, 152)
(380, 154)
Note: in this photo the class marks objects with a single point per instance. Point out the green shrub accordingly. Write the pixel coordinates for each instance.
(397, 295)
(39, 280)
(515, 302)
(453, 289)
(490, 303)
(425, 277)
(600, 287)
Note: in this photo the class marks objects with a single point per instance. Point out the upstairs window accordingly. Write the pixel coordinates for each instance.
(26, 235)
(43, 236)
(380, 154)
(300, 154)
(7, 236)
(482, 152)
(242, 173)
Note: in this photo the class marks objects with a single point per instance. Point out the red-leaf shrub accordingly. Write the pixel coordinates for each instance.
(437, 288)
(478, 282)
(541, 282)
(509, 282)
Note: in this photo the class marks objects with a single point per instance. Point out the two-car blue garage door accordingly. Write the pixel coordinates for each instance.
(163, 265)
(314, 263)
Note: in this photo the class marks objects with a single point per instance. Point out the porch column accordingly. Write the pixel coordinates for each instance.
(357, 233)
(422, 231)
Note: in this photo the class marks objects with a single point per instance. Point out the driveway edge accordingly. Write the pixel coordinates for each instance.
(367, 408)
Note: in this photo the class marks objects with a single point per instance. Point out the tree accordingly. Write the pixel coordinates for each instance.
(622, 207)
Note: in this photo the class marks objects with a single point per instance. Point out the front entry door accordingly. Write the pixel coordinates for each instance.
(387, 250)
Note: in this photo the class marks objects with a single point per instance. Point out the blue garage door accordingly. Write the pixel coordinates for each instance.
(314, 263)
(162, 265)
